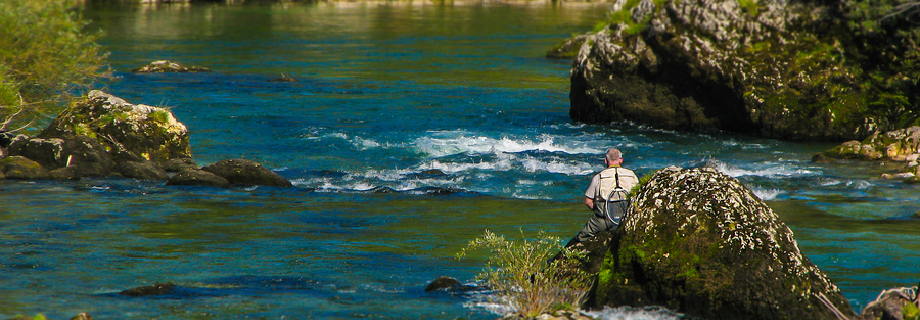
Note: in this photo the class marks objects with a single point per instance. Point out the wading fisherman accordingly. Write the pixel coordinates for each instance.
(607, 196)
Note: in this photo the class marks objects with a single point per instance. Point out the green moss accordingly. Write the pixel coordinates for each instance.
(159, 116)
(604, 276)
(750, 6)
(910, 311)
(83, 130)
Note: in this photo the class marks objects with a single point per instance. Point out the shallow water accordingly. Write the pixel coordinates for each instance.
(413, 128)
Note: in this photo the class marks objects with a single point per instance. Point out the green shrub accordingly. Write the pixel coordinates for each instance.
(44, 56)
(520, 275)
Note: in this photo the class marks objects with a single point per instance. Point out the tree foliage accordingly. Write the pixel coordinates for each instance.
(44, 56)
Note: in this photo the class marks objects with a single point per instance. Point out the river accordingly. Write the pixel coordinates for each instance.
(414, 126)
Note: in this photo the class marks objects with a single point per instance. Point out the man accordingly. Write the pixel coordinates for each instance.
(607, 196)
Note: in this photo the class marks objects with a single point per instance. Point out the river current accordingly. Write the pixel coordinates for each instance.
(414, 127)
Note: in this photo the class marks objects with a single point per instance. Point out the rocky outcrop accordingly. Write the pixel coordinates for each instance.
(699, 242)
(246, 172)
(168, 66)
(129, 132)
(784, 69)
(897, 146)
(105, 136)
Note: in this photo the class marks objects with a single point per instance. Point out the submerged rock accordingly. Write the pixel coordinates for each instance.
(246, 172)
(700, 243)
(784, 69)
(168, 66)
(442, 283)
(569, 48)
(154, 290)
(282, 78)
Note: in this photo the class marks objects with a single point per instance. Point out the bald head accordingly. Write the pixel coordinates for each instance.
(613, 154)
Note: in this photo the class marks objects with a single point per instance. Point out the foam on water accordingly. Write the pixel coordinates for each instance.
(629, 313)
(444, 143)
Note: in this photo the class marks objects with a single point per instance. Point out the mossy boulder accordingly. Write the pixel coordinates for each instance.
(127, 131)
(246, 172)
(808, 70)
(699, 242)
(168, 66)
(22, 168)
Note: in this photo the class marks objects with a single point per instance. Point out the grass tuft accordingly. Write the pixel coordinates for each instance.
(519, 274)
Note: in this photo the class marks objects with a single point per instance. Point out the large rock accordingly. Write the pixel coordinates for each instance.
(823, 70)
(21, 168)
(246, 172)
(127, 131)
(87, 156)
(699, 242)
(45, 152)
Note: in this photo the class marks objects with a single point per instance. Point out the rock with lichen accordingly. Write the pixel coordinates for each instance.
(893, 304)
(897, 145)
(168, 66)
(128, 132)
(810, 70)
(699, 242)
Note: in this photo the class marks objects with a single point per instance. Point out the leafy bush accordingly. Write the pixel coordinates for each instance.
(44, 55)
(520, 275)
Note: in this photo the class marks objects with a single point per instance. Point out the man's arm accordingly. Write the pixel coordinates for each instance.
(589, 203)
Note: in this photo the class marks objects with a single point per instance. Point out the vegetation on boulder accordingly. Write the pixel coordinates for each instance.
(831, 70)
(700, 243)
(526, 276)
(129, 132)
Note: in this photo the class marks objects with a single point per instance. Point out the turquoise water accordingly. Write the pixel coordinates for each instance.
(413, 128)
